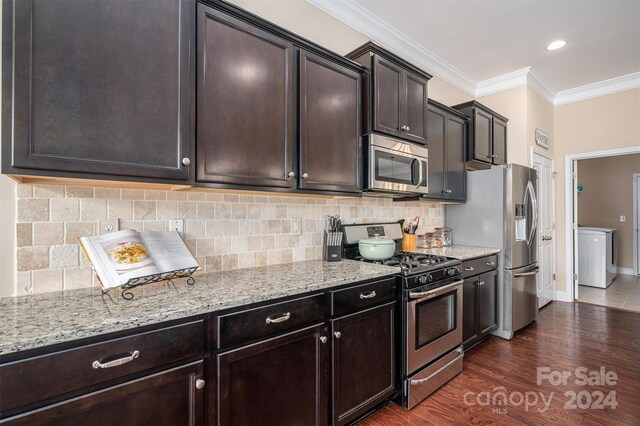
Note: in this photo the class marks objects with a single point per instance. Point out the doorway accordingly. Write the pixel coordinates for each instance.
(546, 281)
(636, 224)
(572, 248)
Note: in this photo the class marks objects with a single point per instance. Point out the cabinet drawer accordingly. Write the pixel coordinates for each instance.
(251, 324)
(479, 266)
(38, 378)
(362, 296)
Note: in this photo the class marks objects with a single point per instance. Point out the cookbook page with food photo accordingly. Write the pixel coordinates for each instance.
(120, 256)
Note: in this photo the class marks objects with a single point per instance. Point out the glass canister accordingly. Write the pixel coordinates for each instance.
(431, 240)
(445, 236)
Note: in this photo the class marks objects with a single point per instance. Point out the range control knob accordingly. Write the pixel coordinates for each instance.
(424, 279)
(453, 271)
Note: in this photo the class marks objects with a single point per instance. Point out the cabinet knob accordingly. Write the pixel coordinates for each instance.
(291, 174)
(407, 128)
(304, 176)
(199, 384)
(480, 282)
(448, 191)
(403, 128)
(186, 161)
(323, 339)
(337, 334)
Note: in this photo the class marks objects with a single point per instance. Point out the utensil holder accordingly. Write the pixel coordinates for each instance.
(408, 242)
(332, 246)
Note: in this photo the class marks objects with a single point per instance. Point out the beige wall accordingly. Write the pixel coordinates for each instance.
(608, 194)
(599, 124)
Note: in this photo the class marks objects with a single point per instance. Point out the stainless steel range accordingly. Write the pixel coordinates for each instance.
(431, 306)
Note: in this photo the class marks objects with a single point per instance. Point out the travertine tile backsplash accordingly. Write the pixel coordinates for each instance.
(225, 231)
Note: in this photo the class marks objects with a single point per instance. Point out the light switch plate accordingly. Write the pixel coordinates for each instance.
(296, 226)
(177, 225)
(623, 218)
(109, 225)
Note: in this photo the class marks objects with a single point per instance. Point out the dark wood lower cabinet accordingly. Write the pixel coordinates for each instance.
(363, 361)
(166, 398)
(479, 312)
(279, 381)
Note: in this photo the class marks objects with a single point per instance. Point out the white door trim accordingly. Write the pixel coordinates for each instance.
(554, 240)
(636, 225)
(568, 207)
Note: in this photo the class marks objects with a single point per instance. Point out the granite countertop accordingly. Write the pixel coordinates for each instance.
(28, 322)
(460, 252)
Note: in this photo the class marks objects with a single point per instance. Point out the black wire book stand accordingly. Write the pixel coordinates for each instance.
(154, 278)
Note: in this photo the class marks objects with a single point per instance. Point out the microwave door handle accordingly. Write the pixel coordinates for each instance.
(411, 168)
(419, 171)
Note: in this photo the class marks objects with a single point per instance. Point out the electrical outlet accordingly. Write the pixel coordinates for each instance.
(296, 226)
(623, 218)
(109, 225)
(177, 225)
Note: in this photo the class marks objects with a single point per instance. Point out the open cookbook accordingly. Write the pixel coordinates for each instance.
(121, 256)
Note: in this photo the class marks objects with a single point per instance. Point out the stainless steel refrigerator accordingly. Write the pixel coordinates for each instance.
(502, 211)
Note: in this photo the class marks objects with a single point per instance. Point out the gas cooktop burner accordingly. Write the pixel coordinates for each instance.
(411, 263)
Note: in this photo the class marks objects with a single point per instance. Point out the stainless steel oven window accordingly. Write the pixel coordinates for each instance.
(435, 318)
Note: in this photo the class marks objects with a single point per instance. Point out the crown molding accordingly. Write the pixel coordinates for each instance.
(600, 88)
(378, 30)
(502, 82)
(355, 16)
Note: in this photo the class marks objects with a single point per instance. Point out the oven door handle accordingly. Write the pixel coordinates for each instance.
(439, 370)
(432, 293)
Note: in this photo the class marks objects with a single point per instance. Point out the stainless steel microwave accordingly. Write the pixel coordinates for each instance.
(396, 167)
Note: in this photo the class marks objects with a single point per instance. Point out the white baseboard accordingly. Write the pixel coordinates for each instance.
(625, 271)
(563, 296)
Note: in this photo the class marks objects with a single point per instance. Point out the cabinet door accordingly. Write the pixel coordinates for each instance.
(455, 158)
(436, 134)
(469, 311)
(101, 87)
(482, 139)
(245, 103)
(415, 108)
(499, 154)
(279, 381)
(166, 398)
(363, 361)
(487, 293)
(388, 96)
(330, 129)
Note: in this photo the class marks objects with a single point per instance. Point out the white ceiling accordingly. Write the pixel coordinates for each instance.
(480, 40)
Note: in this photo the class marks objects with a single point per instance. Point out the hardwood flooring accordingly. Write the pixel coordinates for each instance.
(565, 337)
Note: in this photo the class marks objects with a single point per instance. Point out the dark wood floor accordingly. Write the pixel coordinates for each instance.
(565, 337)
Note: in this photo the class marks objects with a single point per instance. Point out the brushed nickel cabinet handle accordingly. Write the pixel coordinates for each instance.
(304, 176)
(337, 334)
(369, 295)
(281, 318)
(323, 339)
(291, 174)
(97, 364)
(491, 263)
(186, 161)
(468, 268)
(200, 384)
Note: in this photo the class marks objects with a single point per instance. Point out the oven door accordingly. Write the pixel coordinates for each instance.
(397, 167)
(434, 323)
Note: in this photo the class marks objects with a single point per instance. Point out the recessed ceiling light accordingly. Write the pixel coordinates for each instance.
(554, 45)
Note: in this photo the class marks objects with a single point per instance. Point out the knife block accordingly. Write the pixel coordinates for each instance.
(331, 250)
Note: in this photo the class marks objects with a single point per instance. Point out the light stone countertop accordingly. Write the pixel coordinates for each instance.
(29, 322)
(460, 252)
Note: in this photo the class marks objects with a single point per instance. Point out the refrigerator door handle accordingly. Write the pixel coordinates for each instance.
(526, 274)
(531, 192)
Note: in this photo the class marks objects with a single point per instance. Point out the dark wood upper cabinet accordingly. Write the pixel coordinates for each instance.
(166, 398)
(499, 141)
(416, 108)
(98, 87)
(447, 134)
(364, 367)
(387, 97)
(245, 103)
(330, 128)
(488, 141)
(395, 94)
(279, 381)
